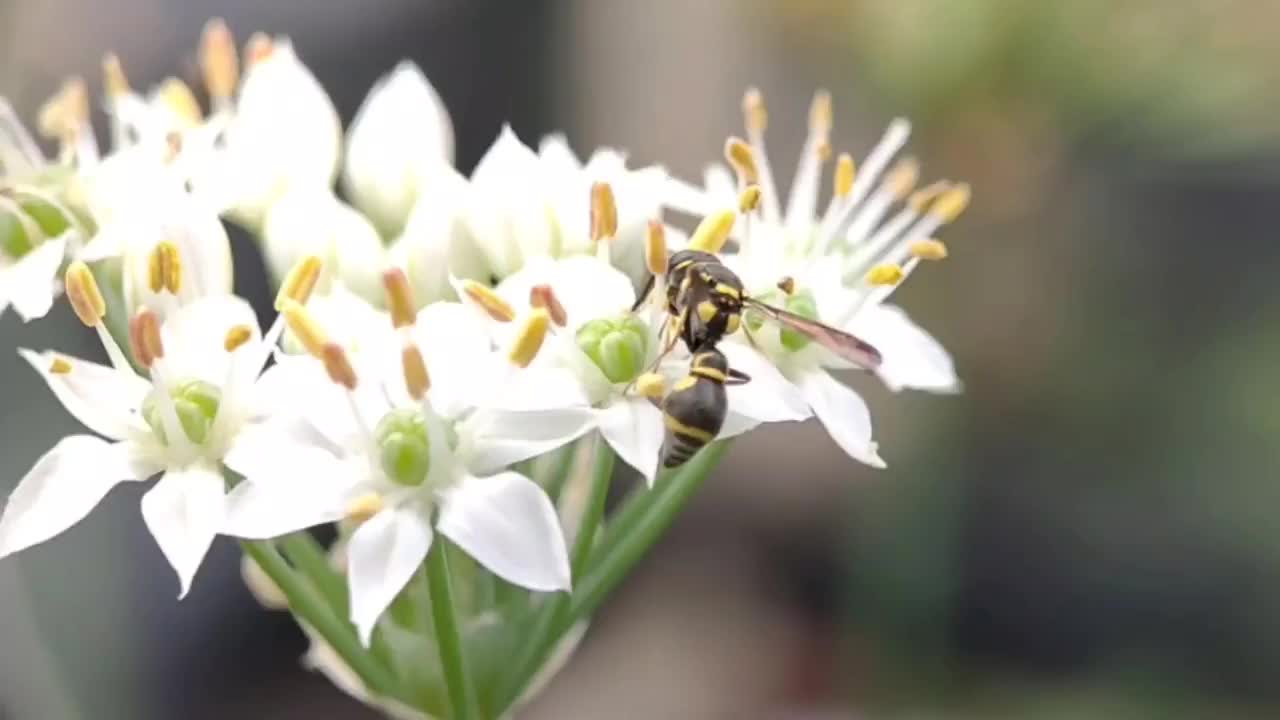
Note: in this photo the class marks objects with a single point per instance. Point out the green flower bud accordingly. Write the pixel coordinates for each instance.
(405, 449)
(51, 219)
(15, 240)
(801, 303)
(196, 403)
(617, 346)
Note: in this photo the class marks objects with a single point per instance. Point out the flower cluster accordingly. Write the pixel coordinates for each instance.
(443, 346)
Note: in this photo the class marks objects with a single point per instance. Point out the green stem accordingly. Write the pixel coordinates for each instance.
(307, 604)
(448, 634)
(601, 474)
(305, 553)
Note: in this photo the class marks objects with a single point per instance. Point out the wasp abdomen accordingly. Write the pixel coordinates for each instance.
(694, 412)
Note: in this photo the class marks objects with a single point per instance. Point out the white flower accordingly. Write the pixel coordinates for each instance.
(36, 233)
(413, 467)
(435, 240)
(178, 422)
(396, 147)
(507, 213)
(311, 220)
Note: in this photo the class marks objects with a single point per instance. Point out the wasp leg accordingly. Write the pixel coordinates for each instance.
(644, 292)
(750, 338)
(670, 345)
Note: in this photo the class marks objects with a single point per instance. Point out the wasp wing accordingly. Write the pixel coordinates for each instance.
(851, 348)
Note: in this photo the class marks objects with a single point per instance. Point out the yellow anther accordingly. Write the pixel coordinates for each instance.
(219, 62)
(489, 301)
(604, 212)
(238, 335)
(164, 268)
(337, 365)
(842, 184)
(820, 115)
(743, 160)
(823, 150)
(59, 366)
(364, 507)
(920, 200)
(113, 77)
(83, 294)
(655, 248)
(529, 340)
(416, 379)
(951, 203)
(177, 97)
(754, 112)
(887, 274)
(903, 177)
(712, 233)
(651, 385)
(300, 281)
(542, 296)
(63, 115)
(399, 298)
(258, 48)
(929, 249)
(787, 285)
(304, 326)
(749, 200)
(144, 337)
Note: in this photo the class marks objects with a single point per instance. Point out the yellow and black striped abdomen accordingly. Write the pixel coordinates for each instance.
(694, 412)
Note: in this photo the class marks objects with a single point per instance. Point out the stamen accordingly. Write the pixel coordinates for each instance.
(928, 249)
(113, 77)
(399, 298)
(787, 285)
(749, 200)
(489, 301)
(651, 385)
(843, 180)
(337, 365)
(59, 366)
(144, 338)
(164, 268)
(604, 212)
(219, 62)
(951, 203)
(258, 48)
(300, 281)
(887, 274)
(177, 97)
(820, 114)
(712, 233)
(304, 327)
(902, 178)
(364, 507)
(237, 336)
(529, 340)
(63, 116)
(542, 296)
(755, 114)
(757, 119)
(655, 248)
(84, 295)
(920, 200)
(416, 378)
(740, 156)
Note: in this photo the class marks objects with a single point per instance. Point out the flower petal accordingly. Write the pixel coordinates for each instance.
(844, 414)
(912, 357)
(194, 337)
(509, 525)
(768, 396)
(60, 490)
(183, 512)
(381, 557)
(490, 440)
(30, 283)
(289, 489)
(634, 429)
(103, 399)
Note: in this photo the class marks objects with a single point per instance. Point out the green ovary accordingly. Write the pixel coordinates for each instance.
(800, 302)
(196, 404)
(405, 450)
(617, 346)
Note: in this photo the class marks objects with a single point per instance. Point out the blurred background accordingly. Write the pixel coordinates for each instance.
(1087, 531)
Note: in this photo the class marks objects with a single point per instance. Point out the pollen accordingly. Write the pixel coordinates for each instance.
(59, 366)
(951, 203)
(888, 274)
(754, 112)
(219, 62)
(83, 294)
(489, 301)
(416, 379)
(787, 285)
(651, 385)
(655, 248)
(236, 336)
(542, 296)
(903, 177)
(749, 200)
(364, 507)
(177, 97)
(300, 281)
(144, 337)
(739, 155)
(399, 298)
(604, 212)
(304, 326)
(842, 183)
(712, 233)
(529, 340)
(164, 268)
(920, 200)
(338, 365)
(929, 249)
(113, 77)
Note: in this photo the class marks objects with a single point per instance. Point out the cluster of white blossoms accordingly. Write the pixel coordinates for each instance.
(435, 334)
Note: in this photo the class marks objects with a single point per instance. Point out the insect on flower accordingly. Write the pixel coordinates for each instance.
(695, 408)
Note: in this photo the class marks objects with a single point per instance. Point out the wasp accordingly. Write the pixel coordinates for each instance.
(695, 408)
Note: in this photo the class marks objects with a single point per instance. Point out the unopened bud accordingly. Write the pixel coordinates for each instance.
(616, 346)
(542, 296)
(299, 282)
(713, 232)
(83, 294)
(399, 298)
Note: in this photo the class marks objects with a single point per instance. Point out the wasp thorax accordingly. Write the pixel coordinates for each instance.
(403, 446)
(196, 405)
(800, 302)
(616, 345)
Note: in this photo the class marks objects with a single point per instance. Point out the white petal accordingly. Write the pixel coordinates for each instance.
(768, 396)
(508, 524)
(844, 414)
(183, 512)
(63, 486)
(172, 215)
(382, 555)
(31, 282)
(634, 429)
(311, 220)
(506, 215)
(537, 387)
(912, 357)
(194, 337)
(490, 440)
(103, 399)
(736, 424)
(287, 488)
(433, 235)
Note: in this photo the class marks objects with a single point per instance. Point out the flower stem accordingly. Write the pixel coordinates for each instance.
(310, 559)
(453, 659)
(601, 474)
(308, 605)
